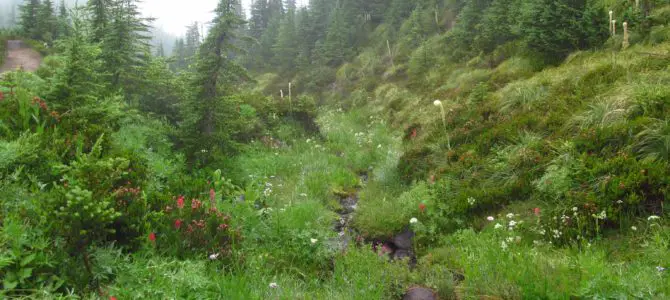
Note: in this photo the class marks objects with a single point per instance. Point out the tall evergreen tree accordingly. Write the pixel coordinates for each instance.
(285, 49)
(160, 50)
(63, 20)
(337, 44)
(257, 21)
(47, 22)
(304, 43)
(99, 10)
(179, 54)
(30, 11)
(193, 41)
(208, 111)
(125, 44)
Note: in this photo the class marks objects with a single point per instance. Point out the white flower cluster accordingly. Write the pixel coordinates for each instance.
(471, 201)
(601, 216)
(268, 189)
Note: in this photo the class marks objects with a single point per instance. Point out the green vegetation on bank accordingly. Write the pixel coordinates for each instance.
(523, 143)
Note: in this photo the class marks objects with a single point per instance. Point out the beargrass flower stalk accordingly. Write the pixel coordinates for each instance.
(439, 104)
(290, 103)
(613, 27)
(610, 21)
(625, 43)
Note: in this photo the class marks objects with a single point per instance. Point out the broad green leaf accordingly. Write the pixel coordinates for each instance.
(28, 259)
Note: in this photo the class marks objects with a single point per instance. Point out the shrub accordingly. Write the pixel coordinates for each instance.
(381, 215)
(27, 259)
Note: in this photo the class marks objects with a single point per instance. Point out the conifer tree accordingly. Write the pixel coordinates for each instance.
(125, 44)
(304, 44)
(63, 21)
(192, 42)
(285, 49)
(29, 23)
(160, 51)
(207, 112)
(47, 22)
(257, 21)
(496, 27)
(179, 54)
(99, 10)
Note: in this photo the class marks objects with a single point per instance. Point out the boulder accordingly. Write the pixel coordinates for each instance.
(404, 240)
(420, 293)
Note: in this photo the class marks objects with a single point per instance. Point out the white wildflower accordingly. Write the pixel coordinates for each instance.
(660, 269)
(498, 226)
(575, 208)
(512, 223)
(413, 220)
(503, 245)
(471, 201)
(273, 285)
(633, 228)
(437, 102)
(313, 241)
(214, 256)
(303, 195)
(510, 215)
(557, 234)
(601, 216)
(490, 218)
(652, 218)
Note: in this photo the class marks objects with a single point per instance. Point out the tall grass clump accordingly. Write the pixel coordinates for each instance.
(523, 95)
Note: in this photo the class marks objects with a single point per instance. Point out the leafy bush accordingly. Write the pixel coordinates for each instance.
(396, 211)
(27, 259)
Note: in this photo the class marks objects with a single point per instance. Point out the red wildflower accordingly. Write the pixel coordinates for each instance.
(422, 207)
(152, 237)
(180, 202)
(414, 133)
(212, 196)
(177, 223)
(2, 96)
(537, 211)
(223, 226)
(195, 204)
(112, 298)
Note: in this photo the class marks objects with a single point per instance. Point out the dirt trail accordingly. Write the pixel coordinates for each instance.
(20, 56)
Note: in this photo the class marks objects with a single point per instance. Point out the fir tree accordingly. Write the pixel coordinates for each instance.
(63, 21)
(125, 44)
(29, 23)
(336, 47)
(285, 49)
(179, 54)
(99, 10)
(192, 42)
(207, 112)
(47, 22)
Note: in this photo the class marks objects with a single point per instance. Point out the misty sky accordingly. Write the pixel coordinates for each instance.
(174, 15)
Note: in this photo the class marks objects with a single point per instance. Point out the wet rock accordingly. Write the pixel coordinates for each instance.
(404, 240)
(402, 253)
(458, 277)
(348, 204)
(420, 293)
